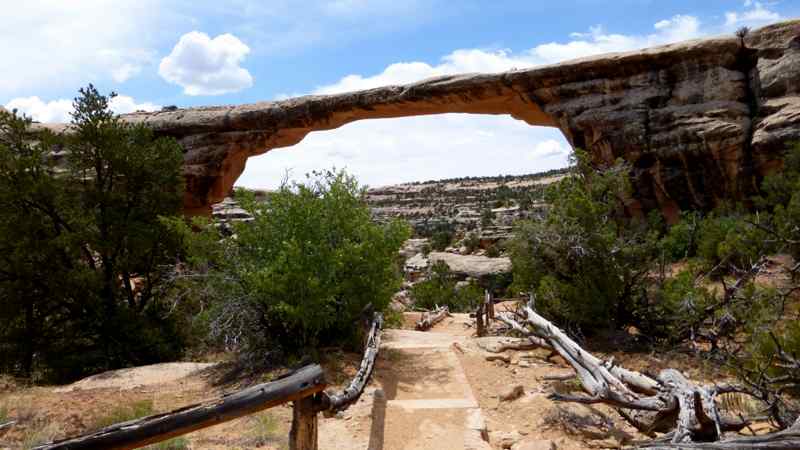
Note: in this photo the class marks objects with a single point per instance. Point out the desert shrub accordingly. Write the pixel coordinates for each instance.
(82, 246)
(124, 413)
(721, 240)
(586, 266)
(300, 275)
(492, 251)
(440, 290)
(471, 242)
(440, 240)
(680, 239)
(426, 249)
(487, 217)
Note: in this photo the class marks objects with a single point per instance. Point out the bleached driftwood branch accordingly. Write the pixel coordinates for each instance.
(429, 319)
(332, 403)
(668, 403)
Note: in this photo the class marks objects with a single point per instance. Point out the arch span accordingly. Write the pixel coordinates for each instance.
(698, 121)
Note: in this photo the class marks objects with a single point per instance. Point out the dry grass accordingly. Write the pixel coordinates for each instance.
(123, 413)
(41, 434)
(178, 443)
(264, 430)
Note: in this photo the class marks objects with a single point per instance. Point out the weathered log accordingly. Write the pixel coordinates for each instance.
(668, 403)
(304, 433)
(429, 319)
(301, 384)
(785, 439)
(333, 403)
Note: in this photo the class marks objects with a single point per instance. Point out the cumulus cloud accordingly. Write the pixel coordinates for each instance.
(56, 111)
(756, 15)
(205, 66)
(40, 111)
(51, 45)
(593, 42)
(550, 148)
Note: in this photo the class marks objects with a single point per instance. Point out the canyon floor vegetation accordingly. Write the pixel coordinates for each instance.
(697, 284)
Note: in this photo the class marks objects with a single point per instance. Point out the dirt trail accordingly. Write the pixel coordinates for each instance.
(430, 390)
(430, 403)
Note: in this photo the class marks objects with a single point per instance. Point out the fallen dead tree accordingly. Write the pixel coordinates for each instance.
(333, 403)
(785, 439)
(685, 412)
(298, 386)
(431, 318)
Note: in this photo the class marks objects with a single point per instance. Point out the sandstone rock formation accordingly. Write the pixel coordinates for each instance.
(472, 265)
(698, 121)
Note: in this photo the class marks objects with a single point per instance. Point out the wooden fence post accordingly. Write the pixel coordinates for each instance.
(304, 425)
(378, 421)
(479, 320)
(489, 305)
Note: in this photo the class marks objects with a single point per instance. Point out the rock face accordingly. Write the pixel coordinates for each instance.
(698, 121)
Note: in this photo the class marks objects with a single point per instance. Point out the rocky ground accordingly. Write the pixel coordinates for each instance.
(436, 389)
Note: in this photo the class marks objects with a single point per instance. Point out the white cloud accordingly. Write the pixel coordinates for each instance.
(40, 111)
(126, 65)
(550, 149)
(595, 41)
(56, 111)
(122, 104)
(205, 66)
(757, 15)
(51, 45)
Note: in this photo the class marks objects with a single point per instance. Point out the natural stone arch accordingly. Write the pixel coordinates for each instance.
(698, 121)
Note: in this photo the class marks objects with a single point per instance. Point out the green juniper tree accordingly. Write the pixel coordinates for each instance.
(82, 250)
(583, 263)
(300, 274)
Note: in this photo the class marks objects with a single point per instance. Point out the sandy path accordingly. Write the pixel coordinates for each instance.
(430, 403)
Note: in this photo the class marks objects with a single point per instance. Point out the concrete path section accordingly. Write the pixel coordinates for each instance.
(430, 404)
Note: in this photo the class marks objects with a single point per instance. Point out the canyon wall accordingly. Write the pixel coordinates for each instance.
(697, 121)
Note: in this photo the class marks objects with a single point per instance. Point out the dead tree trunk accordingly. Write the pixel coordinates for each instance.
(429, 319)
(786, 439)
(669, 403)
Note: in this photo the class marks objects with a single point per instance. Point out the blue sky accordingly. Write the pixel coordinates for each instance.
(187, 53)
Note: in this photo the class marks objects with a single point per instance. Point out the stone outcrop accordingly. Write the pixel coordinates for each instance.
(473, 266)
(698, 121)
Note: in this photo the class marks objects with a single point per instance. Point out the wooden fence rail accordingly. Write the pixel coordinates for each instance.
(305, 387)
(300, 384)
(339, 402)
